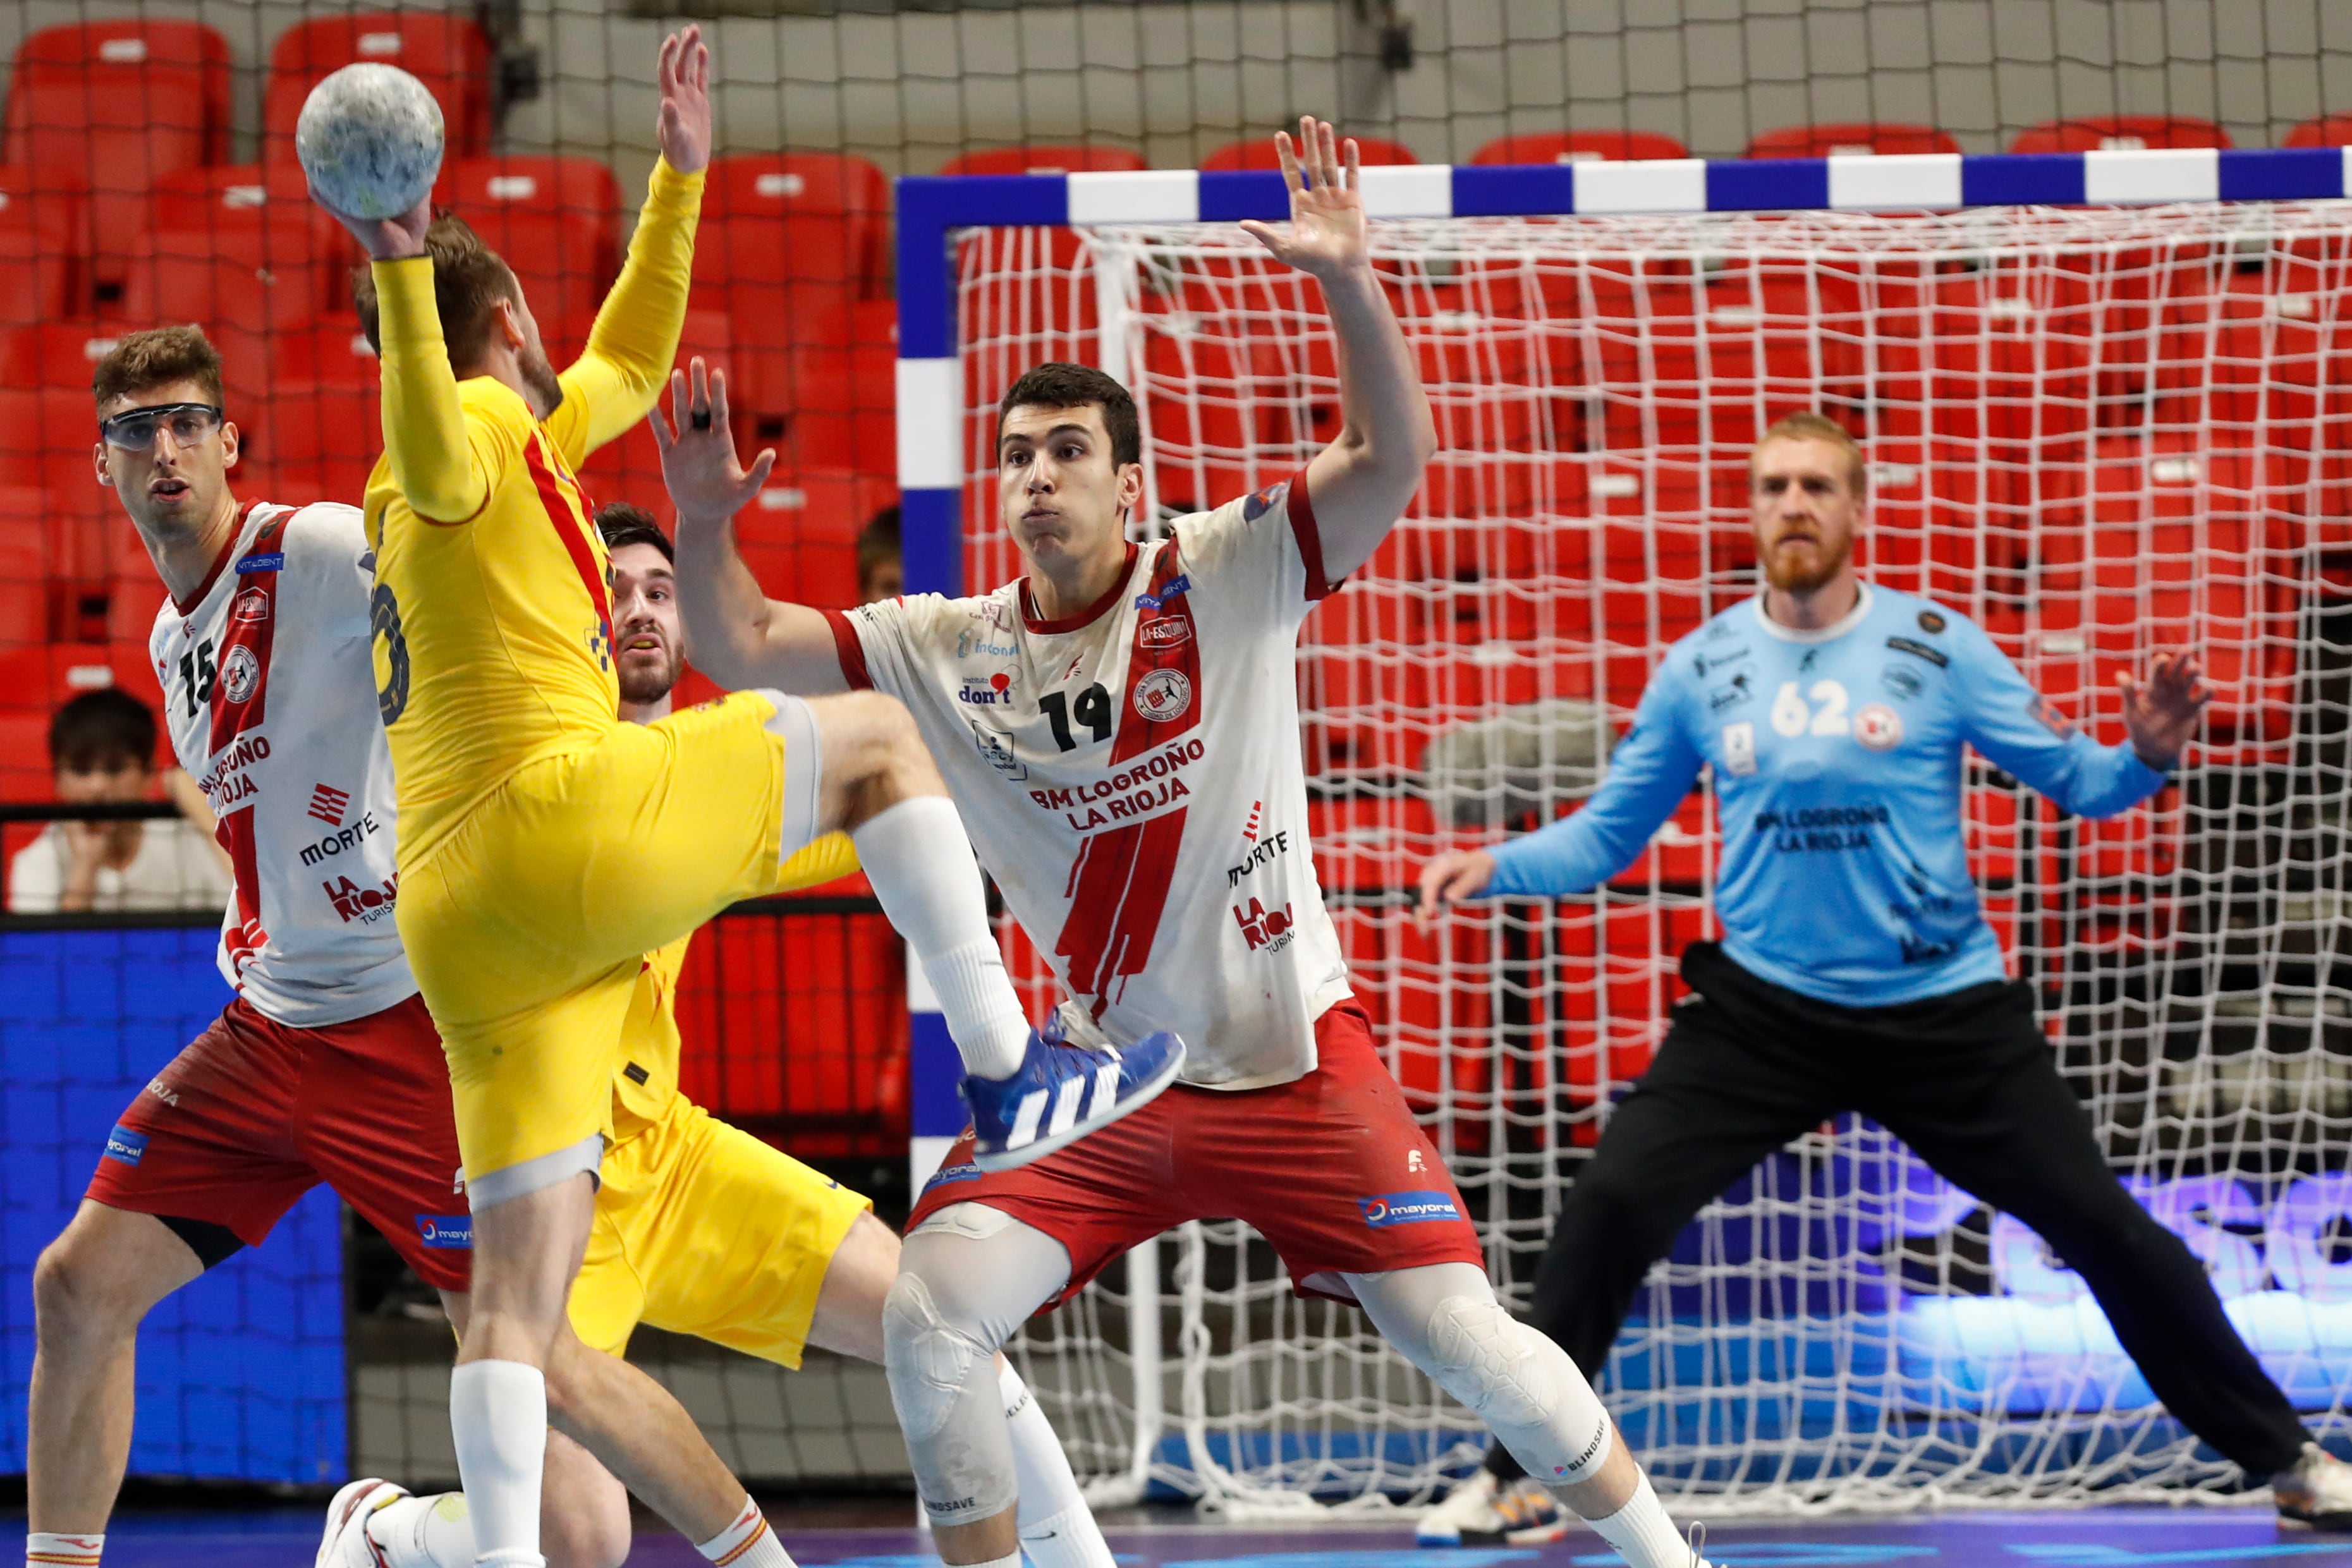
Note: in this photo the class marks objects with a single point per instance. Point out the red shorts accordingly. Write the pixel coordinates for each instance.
(1331, 1169)
(253, 1114)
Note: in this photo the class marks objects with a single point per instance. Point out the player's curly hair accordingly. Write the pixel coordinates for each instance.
(1080, 386)
(157, 356)
(469, 279)
(1810, 426)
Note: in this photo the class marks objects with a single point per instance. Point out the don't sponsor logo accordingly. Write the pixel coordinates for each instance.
(455, 1231)
(1407, 1209)
(126, 1145)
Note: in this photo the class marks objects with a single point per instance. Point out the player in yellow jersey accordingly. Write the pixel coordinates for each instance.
(700, 1228)
(545, 846)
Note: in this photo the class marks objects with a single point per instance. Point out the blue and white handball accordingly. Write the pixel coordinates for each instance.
(370, 139)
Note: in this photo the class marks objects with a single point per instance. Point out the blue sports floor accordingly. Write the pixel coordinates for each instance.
(2111, 1538)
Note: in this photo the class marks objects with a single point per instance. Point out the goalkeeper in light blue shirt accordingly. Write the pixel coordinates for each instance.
(1856, 971)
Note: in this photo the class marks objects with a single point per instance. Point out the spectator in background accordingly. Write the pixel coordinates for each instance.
(102, 748)
(881, 574)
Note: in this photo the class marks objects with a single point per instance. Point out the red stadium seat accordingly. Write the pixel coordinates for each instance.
(851, 422)
(2119, 132)
(46, 436)
(40, 680)
(1578, 146)
(44, 234)
(24, 571)
(322, 429)
(1941, 525)
(55, 354)
(799, 534)
(629, 468)
(2327, 131)
(119, 105)
(240, 249)
(1883, 137)
(1045, 159)
(1257, 152)
(447, 51)
(790, 242)
(2169, 550)
(24, 773)
(551, 220)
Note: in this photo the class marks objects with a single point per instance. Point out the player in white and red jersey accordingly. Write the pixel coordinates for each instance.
(1119, 729)
(325, 1066)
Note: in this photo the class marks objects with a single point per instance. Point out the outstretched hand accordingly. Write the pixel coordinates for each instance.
(1327, 232)
(1449, 879)
(697, 455)
(683, 125)
(2162, 715)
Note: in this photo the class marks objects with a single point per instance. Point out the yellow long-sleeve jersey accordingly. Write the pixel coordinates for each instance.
(493, 620)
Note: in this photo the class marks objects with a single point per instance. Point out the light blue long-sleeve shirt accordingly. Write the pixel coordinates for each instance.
(1837, 769)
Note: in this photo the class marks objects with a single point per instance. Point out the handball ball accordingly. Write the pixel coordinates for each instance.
(370, 139)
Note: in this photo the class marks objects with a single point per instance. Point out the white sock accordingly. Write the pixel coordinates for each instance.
(1057, 1528)
(919, 863)
(498, 1414)
(424, 1531)
(44, 1549)
(1642, 1532)
(747, 1543)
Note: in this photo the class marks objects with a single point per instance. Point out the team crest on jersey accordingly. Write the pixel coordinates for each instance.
(1163, 695)
(240, 673)
(1877, 727)
(253, 604)
(1265, 501)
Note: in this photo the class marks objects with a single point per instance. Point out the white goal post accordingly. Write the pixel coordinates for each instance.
(2107, 399)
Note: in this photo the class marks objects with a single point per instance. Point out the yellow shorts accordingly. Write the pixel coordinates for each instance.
(703, 1229)
(528, 925)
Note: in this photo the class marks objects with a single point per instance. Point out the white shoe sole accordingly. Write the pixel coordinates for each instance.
(1038, 1148)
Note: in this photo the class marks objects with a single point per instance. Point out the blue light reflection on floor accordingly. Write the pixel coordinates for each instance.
(2099, 1538)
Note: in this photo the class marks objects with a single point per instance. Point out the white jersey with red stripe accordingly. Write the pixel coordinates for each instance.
(1131, 779)
(270, 696)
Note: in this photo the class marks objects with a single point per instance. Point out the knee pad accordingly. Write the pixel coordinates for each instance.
(943, 1382)
(1522, 1385)
(930, 1360)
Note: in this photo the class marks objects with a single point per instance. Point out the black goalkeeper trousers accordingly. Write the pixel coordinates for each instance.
(1969, 1081)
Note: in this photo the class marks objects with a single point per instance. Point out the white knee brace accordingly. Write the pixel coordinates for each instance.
(930, 1360)
(1522, 1385)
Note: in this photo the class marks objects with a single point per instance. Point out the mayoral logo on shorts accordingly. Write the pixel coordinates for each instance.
(1407, 1209)
(1877, 727)
(240, 673)
(1163, 695)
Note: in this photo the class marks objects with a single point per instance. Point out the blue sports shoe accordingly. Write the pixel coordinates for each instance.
(1062, 1093)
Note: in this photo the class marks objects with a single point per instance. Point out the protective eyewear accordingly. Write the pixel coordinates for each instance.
(133, 430)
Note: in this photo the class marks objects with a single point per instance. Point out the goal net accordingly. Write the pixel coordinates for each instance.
(2099, 434)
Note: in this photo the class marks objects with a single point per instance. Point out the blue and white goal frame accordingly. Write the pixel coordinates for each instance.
(932, 208)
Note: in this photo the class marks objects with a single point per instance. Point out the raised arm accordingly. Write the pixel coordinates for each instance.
(633, 344)
(2009, 723)
(1649, 773)
(740, 637)
(1360, 484)
(434, 457)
